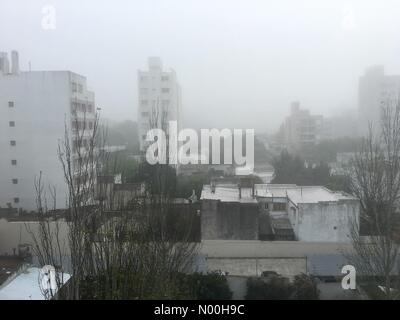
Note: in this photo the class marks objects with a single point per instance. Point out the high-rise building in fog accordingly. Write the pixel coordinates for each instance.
(34, 106)
(301, 128)
(159, 99)
(375, 91)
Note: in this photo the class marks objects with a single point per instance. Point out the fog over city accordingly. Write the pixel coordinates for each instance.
(202, 151)
(240, 64)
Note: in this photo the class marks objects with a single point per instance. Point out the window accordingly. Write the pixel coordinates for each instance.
(74, 87)
(165, 90)
(13, 143)
(143, 78)
(14, 162)
(90, 125)
(145, 114)
(11, 104)
(164, 78)
(144, 90)
(15, 181)
(144, 103)
(80, 88)
(12, 123)
(16, 200)
(90, 108)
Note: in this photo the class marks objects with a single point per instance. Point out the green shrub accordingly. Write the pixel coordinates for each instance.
(210, 286)
(305, 288)
(273, 287)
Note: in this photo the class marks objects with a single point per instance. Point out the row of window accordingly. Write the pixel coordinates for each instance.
(77, 87)
(81, 107)
(84, 143)
(145, 103)
(146, 90)
(82, 125)
(13, 143)
(145, 78)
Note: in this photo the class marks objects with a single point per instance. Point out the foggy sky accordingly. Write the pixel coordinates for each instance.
(240, 63)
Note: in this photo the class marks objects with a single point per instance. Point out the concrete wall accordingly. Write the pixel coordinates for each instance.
(229, 220)
(235, 266)
(325, 221)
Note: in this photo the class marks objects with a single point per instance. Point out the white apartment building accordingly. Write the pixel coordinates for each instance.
(159, 99)
(376, 89)
(34, 108)
(301, 128)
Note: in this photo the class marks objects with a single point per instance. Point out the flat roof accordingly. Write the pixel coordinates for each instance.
(297, 194)
(228, 193)
(302, 194)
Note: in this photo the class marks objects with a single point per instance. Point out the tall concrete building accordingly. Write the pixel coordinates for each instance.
(159, 99)
(376, 90)
(301, 128)
(34, 107)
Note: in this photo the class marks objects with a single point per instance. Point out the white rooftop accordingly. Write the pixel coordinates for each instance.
(24, 287)
(228, 193)
(297, 194)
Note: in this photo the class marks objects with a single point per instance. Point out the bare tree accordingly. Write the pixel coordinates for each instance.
(376, 182)
(118, 251)
(49, 247)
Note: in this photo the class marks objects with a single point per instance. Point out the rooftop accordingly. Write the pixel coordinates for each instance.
(297, 194)
(228, 193)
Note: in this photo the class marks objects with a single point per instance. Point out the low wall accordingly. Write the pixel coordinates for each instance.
(287, 266)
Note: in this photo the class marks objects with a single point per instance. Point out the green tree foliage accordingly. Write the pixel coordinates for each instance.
(340, 183)
(291, 169)
(276, 287)
(326, 150)
(159, 178)
(261, 156)
(305, 288)
(268, 288)
(210, 286)
(123, 133)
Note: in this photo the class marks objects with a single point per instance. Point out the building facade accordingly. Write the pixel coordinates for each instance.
(159, 99)
(376, 90)
(277, 212)
(35, 106)
(301, 128)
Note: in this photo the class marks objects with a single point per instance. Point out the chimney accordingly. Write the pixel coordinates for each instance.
(14, 62)
(4, 63)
